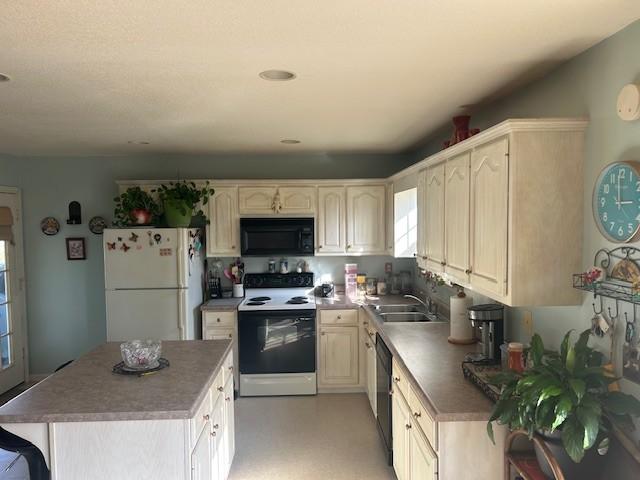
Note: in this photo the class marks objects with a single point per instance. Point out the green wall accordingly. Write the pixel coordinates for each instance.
(65, 300)
(587, 86)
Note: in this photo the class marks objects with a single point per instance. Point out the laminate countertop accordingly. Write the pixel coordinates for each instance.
(221, 305)
(434, 366)
(87, 390)
(340, 301)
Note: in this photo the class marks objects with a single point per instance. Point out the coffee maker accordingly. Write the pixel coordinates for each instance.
(489, 319)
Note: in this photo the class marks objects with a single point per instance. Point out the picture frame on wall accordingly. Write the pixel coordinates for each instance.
(76, 249)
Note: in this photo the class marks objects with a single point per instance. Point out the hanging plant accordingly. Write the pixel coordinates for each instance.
(135, 207)
(180, 200)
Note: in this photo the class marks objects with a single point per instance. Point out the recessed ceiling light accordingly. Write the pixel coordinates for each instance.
(133, 142)
(277, 75)
(4, 78)
(290, 141)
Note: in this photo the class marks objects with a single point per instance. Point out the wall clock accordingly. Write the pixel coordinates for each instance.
(616, 201)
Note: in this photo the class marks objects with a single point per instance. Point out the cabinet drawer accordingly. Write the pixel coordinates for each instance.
(227, 368)
(218, 334)
(400, 380)
(219, 319)
(339, 317)
(422, 416)
(203, 415)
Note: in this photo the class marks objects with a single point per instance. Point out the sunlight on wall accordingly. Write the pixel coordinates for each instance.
(405, 208)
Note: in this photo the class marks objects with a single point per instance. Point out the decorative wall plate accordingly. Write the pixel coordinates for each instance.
(49, 226)
(97, 225)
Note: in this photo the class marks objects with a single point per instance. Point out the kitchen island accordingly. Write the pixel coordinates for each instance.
(176, 423)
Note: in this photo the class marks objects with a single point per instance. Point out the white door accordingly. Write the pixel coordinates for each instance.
(256, 200)
(423, 461)
(400, 425)
(12, 321)
(143, 258)
(223, 237)
(366, 228)
(456, 207)
(339, 355)
(145, 314)
(434, 216)
(332, 237)
(421, 243)
(201, 466)
(489, 216)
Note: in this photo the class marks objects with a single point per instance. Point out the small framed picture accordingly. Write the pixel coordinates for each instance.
(76, 249)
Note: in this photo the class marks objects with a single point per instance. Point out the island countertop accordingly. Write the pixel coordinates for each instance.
(87, 390)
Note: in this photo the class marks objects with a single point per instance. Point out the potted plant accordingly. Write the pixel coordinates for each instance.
(135, 207)
(180, 200)
(565, 398)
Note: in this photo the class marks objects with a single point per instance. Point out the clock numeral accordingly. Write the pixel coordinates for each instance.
(621, 173)
(637, 186)
(630, 227)
(606, 187)
(605, 217)
(620, 231)
(602, 201)
(611, 226)
(612, 179)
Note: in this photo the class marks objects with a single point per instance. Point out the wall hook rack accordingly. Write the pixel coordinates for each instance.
(75, 213)
(594, 307)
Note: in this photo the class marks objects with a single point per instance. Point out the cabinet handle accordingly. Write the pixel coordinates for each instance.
(233, 247)
(321, 333)
(206, 417)
(348, 247)
(339, 317)
(468, 271)
(365, 323)
(218, 320)
(396, 379)
(220, 389)
(367, 345)
(227, 399)
(407, 426)
(417, 414)
(319, 247)
(231, 368)
(443, 263)
(230, 335)
(216, 426)
(415, 254)
(424, 257)
(213, 434)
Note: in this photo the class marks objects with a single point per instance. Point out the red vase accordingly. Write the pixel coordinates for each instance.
(461, 124)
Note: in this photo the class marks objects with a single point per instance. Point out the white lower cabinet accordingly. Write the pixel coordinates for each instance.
(339, 349)
(400, 426)
(222, 325)
(422, 460)
(201, 465)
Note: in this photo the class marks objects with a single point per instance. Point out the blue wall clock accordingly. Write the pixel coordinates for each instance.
(616, 201)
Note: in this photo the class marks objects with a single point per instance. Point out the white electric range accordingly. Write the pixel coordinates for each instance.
(277, 335)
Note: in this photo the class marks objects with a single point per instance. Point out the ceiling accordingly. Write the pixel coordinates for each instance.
(91, 78)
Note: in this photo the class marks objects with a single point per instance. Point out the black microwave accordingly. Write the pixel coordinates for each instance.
(264, 237)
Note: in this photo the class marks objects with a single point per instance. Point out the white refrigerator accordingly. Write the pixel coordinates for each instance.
(154, 281)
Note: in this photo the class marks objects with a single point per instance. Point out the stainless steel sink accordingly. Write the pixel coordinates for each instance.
(401, 308)
(408, 317)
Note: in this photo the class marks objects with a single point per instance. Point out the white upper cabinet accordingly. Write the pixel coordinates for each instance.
(389, 218)
(296, 200)
(421, 245)
(434, 218)
(223, 231)
(366, 229)
(489, 209)
(257, 200)
(456, 217)
(331, 221)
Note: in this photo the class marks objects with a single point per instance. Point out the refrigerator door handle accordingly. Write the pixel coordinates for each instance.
(182, 313)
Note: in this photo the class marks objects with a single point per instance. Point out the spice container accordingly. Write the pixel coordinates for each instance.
(362, 286)
(382, 287)
(516, 358)
(372, 286)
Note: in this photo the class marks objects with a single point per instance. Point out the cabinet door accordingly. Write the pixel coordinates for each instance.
(456, 208)
(389, 220)
(297, 200)
(371, 373)
(223, 231)
(489, 217)
(229, 427)
(400, 426)
(366, 219)
(332, 237)
(423, 461)
(421, 246)
(256, 200)
(200, 458)
(339, 355)
(434, 218)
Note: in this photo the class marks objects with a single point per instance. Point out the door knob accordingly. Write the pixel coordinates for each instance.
(468, 271)
(407, 426)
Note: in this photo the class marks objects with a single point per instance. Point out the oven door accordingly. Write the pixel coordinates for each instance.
(278, 341)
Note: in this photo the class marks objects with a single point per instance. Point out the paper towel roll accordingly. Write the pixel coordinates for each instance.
(461, 329)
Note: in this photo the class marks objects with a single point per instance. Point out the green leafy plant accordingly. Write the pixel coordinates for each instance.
(134, 198)
(185, 196)
(566, 391)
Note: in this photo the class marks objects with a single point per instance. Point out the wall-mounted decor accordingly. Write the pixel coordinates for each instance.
(628, 104)
(616, 201)
(75, 214)
(97, 225)
(49, 226)
(76, 249)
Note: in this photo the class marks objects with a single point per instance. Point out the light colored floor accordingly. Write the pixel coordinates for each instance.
(328, 437)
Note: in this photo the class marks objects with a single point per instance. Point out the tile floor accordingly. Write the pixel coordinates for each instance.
(331, 436)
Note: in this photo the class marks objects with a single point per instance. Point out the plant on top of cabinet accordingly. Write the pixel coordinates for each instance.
(180, 200)
(565, 398)
(135, 207)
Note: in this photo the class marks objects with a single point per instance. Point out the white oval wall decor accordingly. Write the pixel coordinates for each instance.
(629, 102)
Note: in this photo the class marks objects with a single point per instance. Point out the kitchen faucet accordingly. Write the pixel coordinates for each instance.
(429, 304)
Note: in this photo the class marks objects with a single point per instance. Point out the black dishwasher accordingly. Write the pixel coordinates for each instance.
(383, 394)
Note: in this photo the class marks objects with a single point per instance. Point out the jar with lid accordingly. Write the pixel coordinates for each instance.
(372, 284)
(516, 359)
(362, 286)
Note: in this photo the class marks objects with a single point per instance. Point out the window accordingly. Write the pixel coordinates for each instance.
(5, 332)
(405, 230)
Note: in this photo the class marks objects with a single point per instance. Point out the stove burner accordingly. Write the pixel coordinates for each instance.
(252, 303)
(297, 301)
(259, 299)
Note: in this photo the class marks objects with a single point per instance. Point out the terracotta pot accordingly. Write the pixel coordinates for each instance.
(590, 467)
(140, 216)
(461, 124)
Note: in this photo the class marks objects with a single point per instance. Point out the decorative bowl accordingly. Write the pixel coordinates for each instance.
(141, 354)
